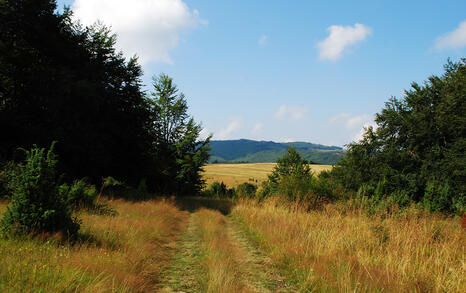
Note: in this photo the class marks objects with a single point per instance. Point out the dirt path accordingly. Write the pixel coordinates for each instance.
(215, 256)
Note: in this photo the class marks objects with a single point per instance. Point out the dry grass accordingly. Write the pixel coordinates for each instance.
(220, 256)
(235, 174)
(342, 250)
(125, 253)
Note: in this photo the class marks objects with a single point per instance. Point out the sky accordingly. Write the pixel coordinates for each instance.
(314, 71)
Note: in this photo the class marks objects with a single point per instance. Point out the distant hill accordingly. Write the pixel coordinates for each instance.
(245, 150)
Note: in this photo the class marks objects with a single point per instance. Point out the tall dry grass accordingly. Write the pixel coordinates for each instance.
(123, 253)
(339, 249)
(221, 258)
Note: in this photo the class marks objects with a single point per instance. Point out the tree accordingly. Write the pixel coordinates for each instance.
(419, 145)
(176, 144)
(60, 81)
(291, 164)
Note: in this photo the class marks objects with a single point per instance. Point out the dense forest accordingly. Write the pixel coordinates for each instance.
(63, 82)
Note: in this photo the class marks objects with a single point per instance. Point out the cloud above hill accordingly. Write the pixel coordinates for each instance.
(148, 28)
(340, 39)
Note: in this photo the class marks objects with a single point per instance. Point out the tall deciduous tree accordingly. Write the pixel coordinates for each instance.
(419, 145)
(179, 151)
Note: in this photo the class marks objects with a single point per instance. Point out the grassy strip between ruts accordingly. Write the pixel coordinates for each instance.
(216, 258)
(123, 253)
(339, 249)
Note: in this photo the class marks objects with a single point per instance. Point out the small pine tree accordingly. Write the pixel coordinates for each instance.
(38, 204)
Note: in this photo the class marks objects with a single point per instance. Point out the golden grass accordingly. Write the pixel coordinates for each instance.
(337, 249)
(220, 256)
(125, 253)
(234, 174)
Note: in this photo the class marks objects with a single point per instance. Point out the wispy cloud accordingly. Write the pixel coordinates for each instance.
(340, 38)
(227, 132)
(291, 112)
(453, 40)
(263, 40)
(351, 121)
(148, 28)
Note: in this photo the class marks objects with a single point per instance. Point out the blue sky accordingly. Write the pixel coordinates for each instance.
(313, 71)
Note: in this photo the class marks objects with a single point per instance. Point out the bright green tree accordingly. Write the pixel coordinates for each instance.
(178, 149)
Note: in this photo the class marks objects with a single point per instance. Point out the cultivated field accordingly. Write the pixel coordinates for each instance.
(215, 245)
(235, 174)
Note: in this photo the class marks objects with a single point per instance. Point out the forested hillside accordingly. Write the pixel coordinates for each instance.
(244, 150)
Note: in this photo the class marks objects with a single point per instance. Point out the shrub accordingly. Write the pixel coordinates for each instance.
(38, 204)
(80, 193)
(438, 196)
(246, 190)
(219, 189)
(6, 175)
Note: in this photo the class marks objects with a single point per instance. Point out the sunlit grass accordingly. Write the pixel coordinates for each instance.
(338, 249)
(123, 253)
(220, 256)
(235, 174)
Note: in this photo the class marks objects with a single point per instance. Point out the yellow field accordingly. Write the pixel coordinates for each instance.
(235, 174)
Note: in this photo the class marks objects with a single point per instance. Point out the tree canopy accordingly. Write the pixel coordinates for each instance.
(418, 147)
(63, 82)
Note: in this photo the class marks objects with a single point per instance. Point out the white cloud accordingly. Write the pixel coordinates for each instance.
(291, 112)
(350, 121)
(453, 40)
(257, 128)
(359, 136)
(226, 133)
(263, 40)
(148, 28)
(340, 38)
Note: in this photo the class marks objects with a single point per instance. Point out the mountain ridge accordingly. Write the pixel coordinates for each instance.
(253, 151)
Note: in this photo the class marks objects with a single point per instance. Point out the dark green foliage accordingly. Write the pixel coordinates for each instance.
(244, 150)
(293, 180)
(246, 189)
(59, 81)
(38, 204)
(418, 149)
(80, 193)
(291, 164)
(6, 178)
(177, 150)
(219, 190)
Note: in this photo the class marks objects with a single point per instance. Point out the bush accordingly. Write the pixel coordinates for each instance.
(6, 175)
(219, 189)
(246, 190)
(38, 204)
(80, 193)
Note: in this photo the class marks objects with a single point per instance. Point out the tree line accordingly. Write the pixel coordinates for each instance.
(60, 81)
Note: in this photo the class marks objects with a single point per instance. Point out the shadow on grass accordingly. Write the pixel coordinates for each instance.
(192, 204)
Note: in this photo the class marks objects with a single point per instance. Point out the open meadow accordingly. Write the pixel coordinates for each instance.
(215, 245)
(235, 174)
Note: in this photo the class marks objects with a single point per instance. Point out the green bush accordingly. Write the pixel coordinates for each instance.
(6, 175)
(219, 189)
(80, 193)
(246, 190)
(438, 196)
(38, 204)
